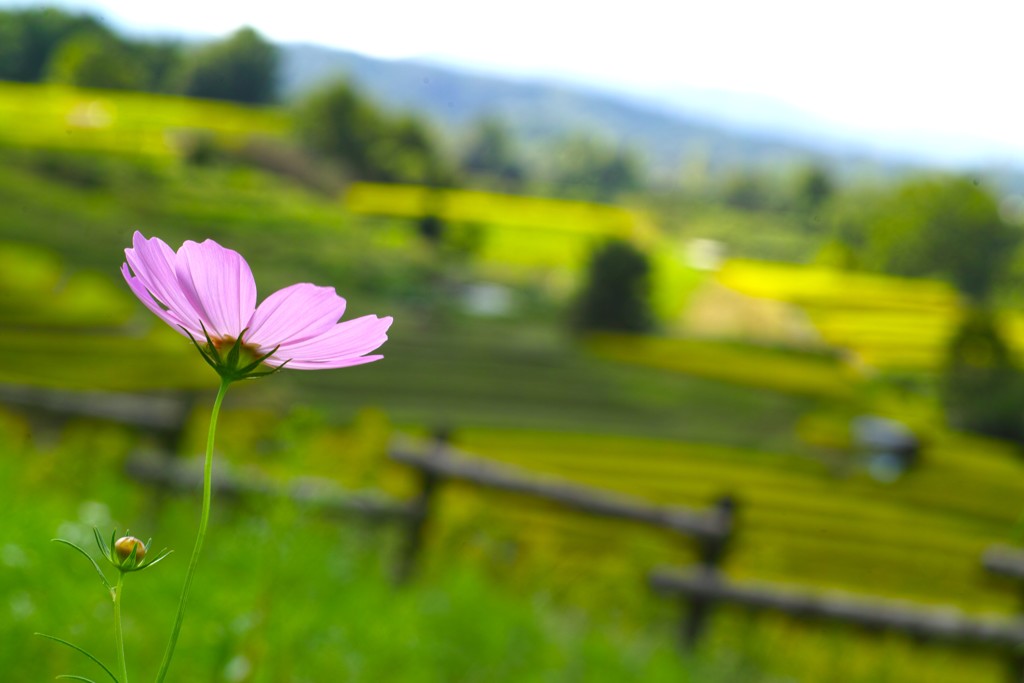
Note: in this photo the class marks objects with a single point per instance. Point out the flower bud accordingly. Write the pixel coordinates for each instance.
(124, 546)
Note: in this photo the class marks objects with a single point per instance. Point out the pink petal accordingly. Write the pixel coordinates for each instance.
(326, 365)
(343, 345)
(294, 314)
(206, 285)
(152, 262)
(147, 299)
(219, 285)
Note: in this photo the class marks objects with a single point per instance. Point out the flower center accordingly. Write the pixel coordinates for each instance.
(247, 353)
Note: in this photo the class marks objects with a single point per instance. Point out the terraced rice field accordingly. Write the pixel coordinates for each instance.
(134, 124)
(885, 322)
(915, 539)
(514, 232)
(788, 372)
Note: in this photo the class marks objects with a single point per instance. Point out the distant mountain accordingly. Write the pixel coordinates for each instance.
(672, 129)
(539, 111)
(751, 112)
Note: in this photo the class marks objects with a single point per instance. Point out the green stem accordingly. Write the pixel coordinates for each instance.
(118, 630)
(207, 492)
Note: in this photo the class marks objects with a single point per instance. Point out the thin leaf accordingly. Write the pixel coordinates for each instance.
(234, 352)
(99, 540)
(210, 345)
(203, 353)
(256, 363)
(95, 566)
(84, 652)
(162, 556)
(73, 677)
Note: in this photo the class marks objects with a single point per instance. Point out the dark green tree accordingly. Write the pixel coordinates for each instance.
(982, 387)
(407, 151)
(340, 124)
(946, 227)
(491, 158)
(29, 37)
(617, 293)
(96, 60)
(240, 68)
(846, 217)
(586, 168)
(161, 61)
(747, 191)
(814, 186)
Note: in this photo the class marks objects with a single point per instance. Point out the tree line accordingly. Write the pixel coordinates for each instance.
(50, 45)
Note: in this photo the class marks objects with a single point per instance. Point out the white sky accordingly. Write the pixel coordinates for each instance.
(929, 67)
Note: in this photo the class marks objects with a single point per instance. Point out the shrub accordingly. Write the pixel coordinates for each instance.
(983, 389)
(617, 291)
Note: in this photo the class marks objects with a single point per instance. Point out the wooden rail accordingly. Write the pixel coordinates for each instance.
(1004, 561)
(929, 623)
(947, 624)
(164, 415)
(447, 464)
(439, 462)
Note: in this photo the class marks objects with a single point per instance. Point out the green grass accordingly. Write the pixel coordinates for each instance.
(284, 595)
(510, 590)
(280, 595)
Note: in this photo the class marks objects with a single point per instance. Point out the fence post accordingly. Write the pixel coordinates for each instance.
(711, 552)
(419, 511)
(1015, 667)
(1015, 659)
(1008, 562)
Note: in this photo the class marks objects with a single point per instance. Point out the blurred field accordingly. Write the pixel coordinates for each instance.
(667, 418)
(886, 322)
(789, 372)
(133, 124)
(798, 524)
(492, 210)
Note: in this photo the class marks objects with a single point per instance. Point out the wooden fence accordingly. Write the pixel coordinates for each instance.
(701, 587)
(162, 415)
(435, 466)
(711, 529)
(948, 624)
(1004, 561)
(704, 586)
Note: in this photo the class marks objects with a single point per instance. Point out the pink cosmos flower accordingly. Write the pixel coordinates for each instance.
(207, 292)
